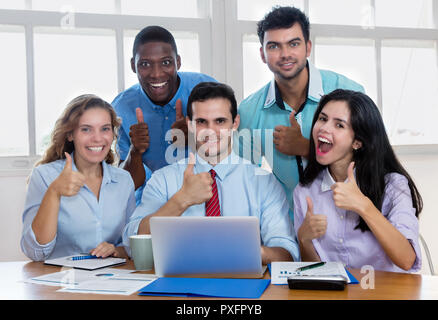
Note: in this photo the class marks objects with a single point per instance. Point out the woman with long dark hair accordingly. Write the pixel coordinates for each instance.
(76, 201)
(355, 202)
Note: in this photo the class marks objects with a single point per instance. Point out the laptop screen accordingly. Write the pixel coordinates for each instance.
(206, 246)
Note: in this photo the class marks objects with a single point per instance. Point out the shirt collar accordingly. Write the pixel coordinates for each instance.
(328, 181)
(222, 169)
(107, 176)
(270, 97)
(315, 83)
(315, 90)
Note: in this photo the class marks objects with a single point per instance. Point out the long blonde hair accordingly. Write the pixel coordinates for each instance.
(69, 121)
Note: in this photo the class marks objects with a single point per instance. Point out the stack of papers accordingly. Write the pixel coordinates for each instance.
(280, 271)
(103, 281)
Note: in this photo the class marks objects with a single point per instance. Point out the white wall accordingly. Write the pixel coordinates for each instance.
(423, 169)
(12, 195)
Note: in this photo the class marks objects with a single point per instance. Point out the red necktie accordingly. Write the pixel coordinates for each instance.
(212, 207)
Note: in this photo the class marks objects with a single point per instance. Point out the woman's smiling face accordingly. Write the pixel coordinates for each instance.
(93, 136)
(333, 135)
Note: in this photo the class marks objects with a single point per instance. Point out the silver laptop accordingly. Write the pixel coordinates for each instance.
(219, 247)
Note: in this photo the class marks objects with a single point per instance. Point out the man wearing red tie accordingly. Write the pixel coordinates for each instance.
(215, 181)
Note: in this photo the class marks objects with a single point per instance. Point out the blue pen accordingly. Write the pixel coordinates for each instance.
(84, 257)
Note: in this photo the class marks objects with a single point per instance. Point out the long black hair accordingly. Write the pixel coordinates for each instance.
(374, 159)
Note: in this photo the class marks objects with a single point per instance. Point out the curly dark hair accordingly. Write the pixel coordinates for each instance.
(283, 18)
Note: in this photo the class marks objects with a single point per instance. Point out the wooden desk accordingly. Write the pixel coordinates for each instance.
(388, 286)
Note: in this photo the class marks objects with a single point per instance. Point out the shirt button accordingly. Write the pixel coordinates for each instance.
(166, 118)
(342, 217)
(341, 241)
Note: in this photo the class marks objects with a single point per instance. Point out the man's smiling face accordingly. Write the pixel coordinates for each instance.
(285, 51)
(156, 65)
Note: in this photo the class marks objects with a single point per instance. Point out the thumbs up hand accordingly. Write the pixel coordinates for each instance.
(179, 124)
(314, 225)
(197, 188)
(289, 139)
(139, 133)
(347, 195)
(69, 182)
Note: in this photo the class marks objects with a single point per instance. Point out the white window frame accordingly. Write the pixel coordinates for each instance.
(204, 27)
(236, 29)
(220, 36)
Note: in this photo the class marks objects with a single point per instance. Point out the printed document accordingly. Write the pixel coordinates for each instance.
(280, 271)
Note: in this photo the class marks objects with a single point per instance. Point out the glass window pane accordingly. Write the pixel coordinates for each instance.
(163, 8)
(14, 130)
(345, 12)
(256, 9)
(404, 13)
(95, 6)
(68, 64)
(187, 44)
(256, 73)
(12, 4)
(353, 58)
(410, 91)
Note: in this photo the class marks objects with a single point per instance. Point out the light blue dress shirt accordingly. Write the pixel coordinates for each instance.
(342, 242)
(260, 113)
(244, 190)
(83, 221)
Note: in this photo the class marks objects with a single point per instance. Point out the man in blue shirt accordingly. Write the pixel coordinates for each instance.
(217, 180)
(153, 106)
(276, 120)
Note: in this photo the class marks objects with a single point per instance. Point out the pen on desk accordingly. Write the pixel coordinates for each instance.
(84, 257)
(311, 266)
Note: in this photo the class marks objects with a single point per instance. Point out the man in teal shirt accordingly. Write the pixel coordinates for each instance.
(276, 120)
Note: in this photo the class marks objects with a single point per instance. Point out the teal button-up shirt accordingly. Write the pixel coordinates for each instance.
(260, 113)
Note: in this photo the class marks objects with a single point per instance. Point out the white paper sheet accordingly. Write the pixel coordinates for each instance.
(69, 276)
(122, 285)
(102, 281)
(280, 271)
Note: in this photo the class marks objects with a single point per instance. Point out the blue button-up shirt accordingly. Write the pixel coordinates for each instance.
(83, 221)
(158, 118)
(243, 189)
(260, 113)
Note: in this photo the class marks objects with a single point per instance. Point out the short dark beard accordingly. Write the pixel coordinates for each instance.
(295, 75)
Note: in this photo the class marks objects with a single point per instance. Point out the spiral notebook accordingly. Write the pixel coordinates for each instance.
(86, 264)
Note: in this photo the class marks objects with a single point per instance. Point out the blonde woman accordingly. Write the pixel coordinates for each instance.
(77, 202)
